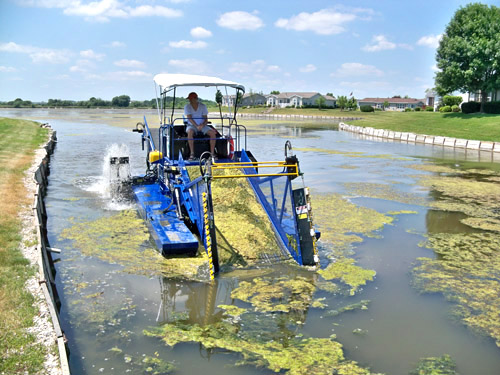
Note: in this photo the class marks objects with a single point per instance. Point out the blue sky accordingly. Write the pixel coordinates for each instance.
(75, 49)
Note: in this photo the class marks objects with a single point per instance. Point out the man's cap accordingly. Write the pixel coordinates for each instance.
(192, 95)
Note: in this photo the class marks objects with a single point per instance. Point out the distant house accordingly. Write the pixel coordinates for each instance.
(395, 104)
(298, 99)
(476, 96)
(248, 100)
(431, 99)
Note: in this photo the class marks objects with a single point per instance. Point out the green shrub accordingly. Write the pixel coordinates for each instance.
(408, 109)
(471, 107)
(455, 108)
(366, 108)
(418, 109)
(452, 100)
(491, 107)
(429, 108)
(445, 108)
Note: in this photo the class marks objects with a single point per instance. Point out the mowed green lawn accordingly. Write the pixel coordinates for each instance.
(19, 352)
(481, 127)
(477, 126)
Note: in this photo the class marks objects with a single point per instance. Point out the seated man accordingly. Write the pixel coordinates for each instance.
(197, 117)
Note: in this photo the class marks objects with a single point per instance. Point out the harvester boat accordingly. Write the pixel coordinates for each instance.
(179, 209)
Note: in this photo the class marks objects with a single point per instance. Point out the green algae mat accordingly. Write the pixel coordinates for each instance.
(263, 327)
(466, 269)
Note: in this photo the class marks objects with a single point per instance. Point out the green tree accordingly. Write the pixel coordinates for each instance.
(218, 100)
(386, 104)
(452, 100)
(352, 103)
(320, 102)
(275, 92)
(468, 55)
(342, 102)
(121, 101)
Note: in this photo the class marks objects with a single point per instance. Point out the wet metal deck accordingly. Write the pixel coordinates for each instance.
(170, 233)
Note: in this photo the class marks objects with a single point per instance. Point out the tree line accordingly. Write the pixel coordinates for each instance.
(122, 101)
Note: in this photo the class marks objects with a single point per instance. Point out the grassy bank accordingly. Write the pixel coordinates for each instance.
(482, 127)
(478, 126)
(19, 352)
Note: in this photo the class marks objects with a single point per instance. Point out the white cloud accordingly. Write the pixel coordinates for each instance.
(116, 44)
(308, 68)
(103, 10)
(45, 3)
(256, 66)
(239, 20)
(431, 41)
(136, 75)
(77, 69)
(323, 22)
(189, 66)
(188, 44)
(357, 69)
(273, 68)
(7, 69)
(157, 10)
(37, 54)
(90, 54)
(380, 43)
(435, 68)
(82, 66)
(131, 74)
(199, 33)
(124, 63)
(97, 10)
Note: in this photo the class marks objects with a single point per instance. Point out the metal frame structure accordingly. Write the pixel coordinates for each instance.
(177, 208)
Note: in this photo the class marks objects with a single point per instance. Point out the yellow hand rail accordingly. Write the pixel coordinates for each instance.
(257, 164)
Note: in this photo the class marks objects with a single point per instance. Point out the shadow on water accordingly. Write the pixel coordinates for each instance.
(387, 325)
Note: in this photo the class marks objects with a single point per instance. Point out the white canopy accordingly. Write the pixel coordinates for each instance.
(169, 81)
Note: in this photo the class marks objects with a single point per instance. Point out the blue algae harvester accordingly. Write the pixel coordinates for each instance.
(179, 209)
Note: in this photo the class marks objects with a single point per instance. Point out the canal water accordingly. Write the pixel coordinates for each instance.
(110, 304)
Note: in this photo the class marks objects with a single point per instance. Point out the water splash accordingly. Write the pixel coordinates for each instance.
(109, 185)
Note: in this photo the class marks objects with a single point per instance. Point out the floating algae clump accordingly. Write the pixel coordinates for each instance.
(345, 270)
(271, 295)
(473, 192)
(435, 366)
(384, 191)
(338, 219)
(467, 272)
(349, 154)
(467, 267)
(232, 310)
(293, 356)
(361, 305)
(119, 239)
